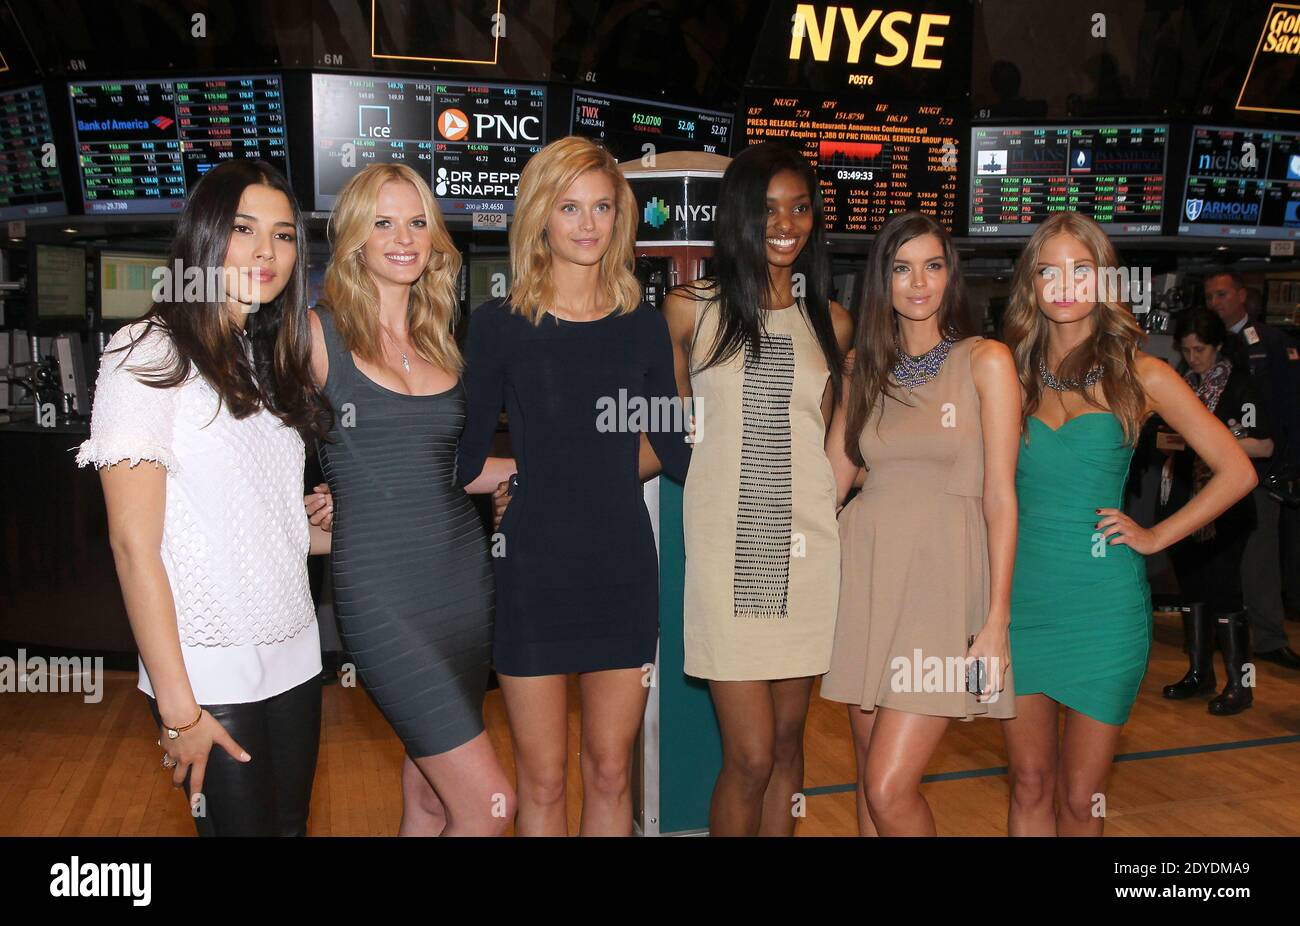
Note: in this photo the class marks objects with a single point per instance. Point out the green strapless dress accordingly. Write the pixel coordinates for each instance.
(1080, 608)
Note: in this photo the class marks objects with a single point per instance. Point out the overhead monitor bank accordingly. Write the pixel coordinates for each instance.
(143, 145)
(1020, 175)
(625, 126)
(468, 140)
(29, 173)
(1241, 183)
(872, 158)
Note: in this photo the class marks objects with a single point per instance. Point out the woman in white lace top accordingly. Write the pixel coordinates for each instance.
(199, 417)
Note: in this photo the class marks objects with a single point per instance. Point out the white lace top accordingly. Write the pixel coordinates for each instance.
(235, 538)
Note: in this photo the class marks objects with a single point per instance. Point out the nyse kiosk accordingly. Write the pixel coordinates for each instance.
(680, 750)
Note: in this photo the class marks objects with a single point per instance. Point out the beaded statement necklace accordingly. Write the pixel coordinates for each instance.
(911, 372)
(1067, 385)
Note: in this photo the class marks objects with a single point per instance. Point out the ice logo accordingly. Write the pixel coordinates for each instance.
(1193, 209)
(656, 212)
(440, 187)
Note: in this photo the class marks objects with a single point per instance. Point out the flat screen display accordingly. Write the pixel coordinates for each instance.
(60, 283)
(29, 175)
(1241, 183)
(1114, 174)
(142, 146)
(625, 125)
(126, 283)
(872, 158)
(469, 141)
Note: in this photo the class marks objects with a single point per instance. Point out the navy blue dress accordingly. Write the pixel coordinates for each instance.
(577, 589)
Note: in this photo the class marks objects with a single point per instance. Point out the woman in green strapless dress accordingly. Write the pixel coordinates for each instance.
(1080, 603)
(1081, 607)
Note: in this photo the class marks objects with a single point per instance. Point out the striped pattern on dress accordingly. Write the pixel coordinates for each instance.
(763, 518)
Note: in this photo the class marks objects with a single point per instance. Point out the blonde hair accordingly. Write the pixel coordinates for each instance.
(1114, 342)
(351, 294)
(546, 177)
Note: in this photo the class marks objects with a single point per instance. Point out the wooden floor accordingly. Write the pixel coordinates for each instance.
(71, 768)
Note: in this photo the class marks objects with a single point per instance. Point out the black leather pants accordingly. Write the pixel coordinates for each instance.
(271, 794)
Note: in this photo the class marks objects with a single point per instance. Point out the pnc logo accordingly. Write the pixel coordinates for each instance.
(453, 124)
(163, 123)
(656, 212)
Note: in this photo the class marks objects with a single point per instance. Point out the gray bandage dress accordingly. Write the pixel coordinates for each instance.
(412, 573)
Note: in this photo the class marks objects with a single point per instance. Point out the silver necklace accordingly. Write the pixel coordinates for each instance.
(1067, 385)
(912, 372)
(406, 363)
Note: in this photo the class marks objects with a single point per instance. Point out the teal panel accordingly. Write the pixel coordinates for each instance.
(690, 746)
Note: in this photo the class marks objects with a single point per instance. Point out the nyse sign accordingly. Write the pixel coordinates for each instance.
(899, 35)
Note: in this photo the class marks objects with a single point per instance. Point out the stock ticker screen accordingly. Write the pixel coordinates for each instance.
(624, 125)
(29, 174)
(469, 141)
(1241, 183)
(1114, 174)
(872, 159)
(142, 146)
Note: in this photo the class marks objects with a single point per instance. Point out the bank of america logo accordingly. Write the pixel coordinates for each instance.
(1193, 209)
(656, 212)
(163, 123)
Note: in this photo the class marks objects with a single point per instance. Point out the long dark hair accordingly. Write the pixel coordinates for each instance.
(1210, 329)
(877, 329)
(278, 377)
(741, 279)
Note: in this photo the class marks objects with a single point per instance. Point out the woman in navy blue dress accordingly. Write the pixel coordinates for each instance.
(582, 367)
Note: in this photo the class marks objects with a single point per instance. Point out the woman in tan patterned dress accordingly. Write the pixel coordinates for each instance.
(758, 348)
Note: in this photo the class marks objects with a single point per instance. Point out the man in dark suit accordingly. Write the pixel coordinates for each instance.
(1275, 368)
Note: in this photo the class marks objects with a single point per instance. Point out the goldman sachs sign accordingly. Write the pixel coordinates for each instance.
(1270, 85)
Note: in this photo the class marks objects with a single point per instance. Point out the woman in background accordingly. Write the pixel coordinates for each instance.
(1208, 562)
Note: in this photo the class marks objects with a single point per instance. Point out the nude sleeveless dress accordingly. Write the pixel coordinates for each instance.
(914, 554)
(758, 509)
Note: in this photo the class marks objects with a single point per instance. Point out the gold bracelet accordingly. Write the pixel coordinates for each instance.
(173, 733)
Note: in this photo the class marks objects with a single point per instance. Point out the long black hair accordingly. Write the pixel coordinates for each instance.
(278, 377)
(741, 281)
